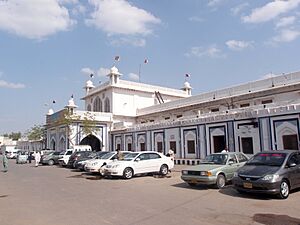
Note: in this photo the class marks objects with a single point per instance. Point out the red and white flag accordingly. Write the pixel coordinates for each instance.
(146, 61)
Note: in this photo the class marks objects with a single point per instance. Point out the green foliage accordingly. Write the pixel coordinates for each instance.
(36, 133)
(13, 135)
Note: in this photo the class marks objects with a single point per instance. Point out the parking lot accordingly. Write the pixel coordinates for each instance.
(59, 196)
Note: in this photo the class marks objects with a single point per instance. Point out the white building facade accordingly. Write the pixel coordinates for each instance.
(247, 118)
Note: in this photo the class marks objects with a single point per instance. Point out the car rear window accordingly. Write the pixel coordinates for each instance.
(270, 159)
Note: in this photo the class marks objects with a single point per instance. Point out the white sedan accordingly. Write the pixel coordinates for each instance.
(139, 163)
(95, 165)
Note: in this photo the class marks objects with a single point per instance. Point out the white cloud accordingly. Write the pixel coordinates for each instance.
(287, 35)
(87, 71)
(34, 19)
(214, 3)
(211, 52)
(270, 11)
(238, 45)
(268, 75)
(6, 84)
(102, 72)
(236, 10)
(196, 19)
(134, 41)
(121, 17)
(285, 21)
(133, 76)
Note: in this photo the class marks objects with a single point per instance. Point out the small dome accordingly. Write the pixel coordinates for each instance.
(89, 84)
(50, 112)
(187, 85)
(114, 70)
(71, 104)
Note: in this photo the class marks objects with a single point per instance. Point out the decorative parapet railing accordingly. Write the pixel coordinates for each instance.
(255, 86)
(249, 113)
(97, 116)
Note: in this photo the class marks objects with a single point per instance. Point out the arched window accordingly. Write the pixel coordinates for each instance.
(106, 105)
(97, 105)
(89, 108)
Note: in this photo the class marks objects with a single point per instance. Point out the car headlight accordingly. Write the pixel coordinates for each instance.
(184, 172)
(270, 177)
(94, 164)
(205, 173)
(115, 166)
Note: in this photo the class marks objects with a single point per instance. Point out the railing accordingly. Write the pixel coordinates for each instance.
(255, 86)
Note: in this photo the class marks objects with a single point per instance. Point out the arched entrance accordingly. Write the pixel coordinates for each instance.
(93, 141)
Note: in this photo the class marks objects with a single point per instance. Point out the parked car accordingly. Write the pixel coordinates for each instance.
(21, 157)
(80, 163)
(51, 158)
(94, 165)
(217, 168)
(64, 157)
(270, 172)
(77, 156)
(139, 163)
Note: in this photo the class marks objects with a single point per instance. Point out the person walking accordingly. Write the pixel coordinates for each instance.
(37, 158)
(29, 157)
(5, 162)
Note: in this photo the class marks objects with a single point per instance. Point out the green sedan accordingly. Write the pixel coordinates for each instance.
(217, 168)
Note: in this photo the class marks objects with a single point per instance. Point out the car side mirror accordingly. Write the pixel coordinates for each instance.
(137, 160)
(292, 164)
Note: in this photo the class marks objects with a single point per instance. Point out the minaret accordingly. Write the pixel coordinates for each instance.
(114, 75)
(71, 105)
(187, 88)
(88, 86)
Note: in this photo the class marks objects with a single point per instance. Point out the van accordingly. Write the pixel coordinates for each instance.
(12, 153)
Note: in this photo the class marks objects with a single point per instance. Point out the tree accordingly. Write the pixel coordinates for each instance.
(67, 118)
(36, 133)
(13, 135)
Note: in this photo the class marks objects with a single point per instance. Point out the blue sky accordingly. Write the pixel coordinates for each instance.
(48, 48)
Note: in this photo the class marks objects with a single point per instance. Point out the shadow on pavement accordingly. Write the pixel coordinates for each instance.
(229, 190)
(3, 196)
(196, 187)
(273, 219)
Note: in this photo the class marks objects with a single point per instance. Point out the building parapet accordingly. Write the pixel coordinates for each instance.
(234, 114)
(250, 87)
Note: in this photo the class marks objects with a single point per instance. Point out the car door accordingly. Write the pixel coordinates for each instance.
(232, 166)
(155, 162)
(141, 163)
(294, 171)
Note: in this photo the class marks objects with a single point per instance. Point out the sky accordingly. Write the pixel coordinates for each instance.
(49, 48)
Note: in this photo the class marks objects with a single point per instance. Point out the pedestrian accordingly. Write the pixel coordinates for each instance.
(37, 158)
(119, 155)
(5, 162)
(225, 150)
(29, 157)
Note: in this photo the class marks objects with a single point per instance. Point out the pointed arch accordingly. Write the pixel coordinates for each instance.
(97, 107)
(106, 105)
(93, 141)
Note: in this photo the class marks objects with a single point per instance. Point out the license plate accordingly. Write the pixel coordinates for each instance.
(193, 181)
(247, 185)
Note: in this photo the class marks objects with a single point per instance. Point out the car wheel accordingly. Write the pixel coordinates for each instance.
(164, 170)
(128, 173)
(284, 190)
(221, 181)
(51, 162)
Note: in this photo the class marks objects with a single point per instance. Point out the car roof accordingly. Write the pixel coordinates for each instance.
(280, 151)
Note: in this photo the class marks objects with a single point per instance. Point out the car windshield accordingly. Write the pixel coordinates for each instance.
(269, 159)
(98, 155)
(107, 155)
(219, 159)
(129, 156)
(58, 153)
